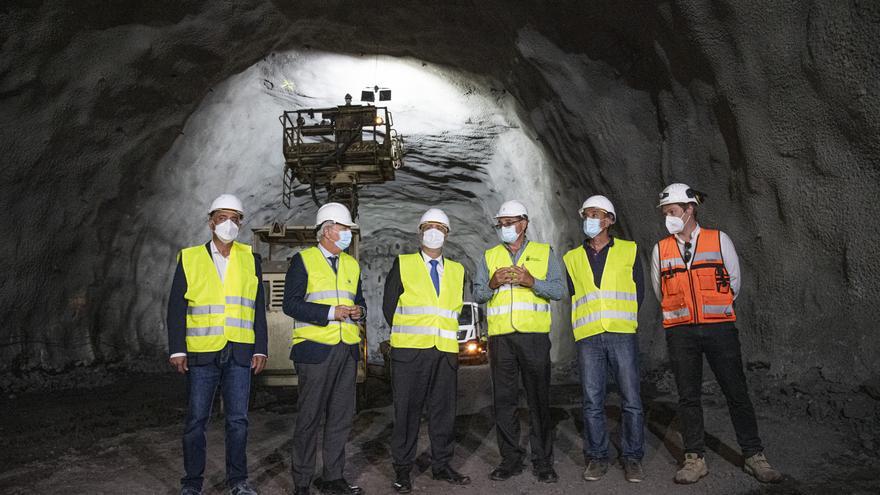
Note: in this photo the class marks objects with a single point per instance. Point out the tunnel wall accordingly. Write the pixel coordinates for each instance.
(771, 109)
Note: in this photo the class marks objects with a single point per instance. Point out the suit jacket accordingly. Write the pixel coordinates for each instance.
(176, 322)
(296, 306)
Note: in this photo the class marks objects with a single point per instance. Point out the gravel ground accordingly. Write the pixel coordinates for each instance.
(125, 438)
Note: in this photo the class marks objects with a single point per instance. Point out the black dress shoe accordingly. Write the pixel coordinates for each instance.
(402, 483)
(338, 487)
(446, 473)
(545, 473)
(504, 472)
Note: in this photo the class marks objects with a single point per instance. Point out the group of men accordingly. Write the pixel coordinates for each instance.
(217, 336)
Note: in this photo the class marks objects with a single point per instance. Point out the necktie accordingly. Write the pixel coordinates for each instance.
(435, 275)
(333, 260)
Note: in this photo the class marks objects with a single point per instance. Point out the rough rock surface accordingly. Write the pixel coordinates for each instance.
(772, 109)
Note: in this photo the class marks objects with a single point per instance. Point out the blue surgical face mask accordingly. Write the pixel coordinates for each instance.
(592, 227)
(508, 234)
(344, 240)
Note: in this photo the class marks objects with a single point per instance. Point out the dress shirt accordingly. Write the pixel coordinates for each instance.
(428, 260)
(220, 261)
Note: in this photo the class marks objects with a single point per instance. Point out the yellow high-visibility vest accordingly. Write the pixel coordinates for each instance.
(334, 289)
(516, 308)
(219, 312)
(423, 319)
(613, 307)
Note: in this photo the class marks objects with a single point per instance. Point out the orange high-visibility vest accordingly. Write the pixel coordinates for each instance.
(698, 295)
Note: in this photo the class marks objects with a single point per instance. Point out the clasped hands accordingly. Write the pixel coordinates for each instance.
(347, 312)
(513, 275)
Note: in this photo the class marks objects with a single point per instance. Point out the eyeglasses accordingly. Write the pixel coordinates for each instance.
(687, 252)
(499, 225)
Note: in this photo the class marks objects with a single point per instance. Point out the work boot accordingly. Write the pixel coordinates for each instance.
(632, 471)
(595, 470)
(693, 469)
(242, 488)
(758, 467)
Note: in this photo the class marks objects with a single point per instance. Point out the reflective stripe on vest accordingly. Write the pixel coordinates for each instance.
(424, 319)
(219, 312)
(515, 308)
(331, 288)
(613, 307)
(700, 294)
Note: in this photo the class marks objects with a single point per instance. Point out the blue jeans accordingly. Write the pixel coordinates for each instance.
(619, 353)
(234, 381)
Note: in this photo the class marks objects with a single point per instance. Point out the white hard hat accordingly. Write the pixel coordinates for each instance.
(435, 215)
(680, 193)
(227, 202)
(601, 202)
(336, 212)
(512, 208)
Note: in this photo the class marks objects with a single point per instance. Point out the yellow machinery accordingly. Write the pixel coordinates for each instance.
(277, 244)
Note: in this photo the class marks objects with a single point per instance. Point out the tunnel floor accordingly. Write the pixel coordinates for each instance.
(125, 438)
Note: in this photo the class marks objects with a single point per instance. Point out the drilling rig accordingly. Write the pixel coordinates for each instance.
(336, 151)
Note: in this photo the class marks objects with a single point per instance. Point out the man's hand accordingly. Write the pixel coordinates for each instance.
(179, 364)
(500, 277)
(523, 277)
(341, 313)
(356, 313)
(258, 363)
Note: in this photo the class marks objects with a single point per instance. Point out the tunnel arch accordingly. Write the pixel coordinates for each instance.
(781, 135)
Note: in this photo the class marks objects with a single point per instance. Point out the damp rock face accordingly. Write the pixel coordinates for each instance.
(112, 118)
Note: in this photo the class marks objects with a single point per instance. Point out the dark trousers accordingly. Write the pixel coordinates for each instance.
(720, 344)
(326, 394)
(527, 356)
(419, 378)
(234, 380)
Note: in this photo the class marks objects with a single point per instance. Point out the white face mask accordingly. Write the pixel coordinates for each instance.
(344, 240)
(226, 231)
(433, 239)
(674, 224)
(508, 234)
(592, 227)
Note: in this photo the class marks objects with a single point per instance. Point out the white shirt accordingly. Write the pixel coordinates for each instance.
(728, 252)
(219, 261)
(331, 314)
(428, 260)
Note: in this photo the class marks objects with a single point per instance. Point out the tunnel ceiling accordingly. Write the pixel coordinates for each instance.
(772, 110)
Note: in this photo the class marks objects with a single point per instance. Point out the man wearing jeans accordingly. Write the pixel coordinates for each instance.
(696, 276)
(606, 286)
(216, 335)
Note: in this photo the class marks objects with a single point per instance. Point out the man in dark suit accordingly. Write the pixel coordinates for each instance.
(216, 335)
(424, 294)
(322, 293)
